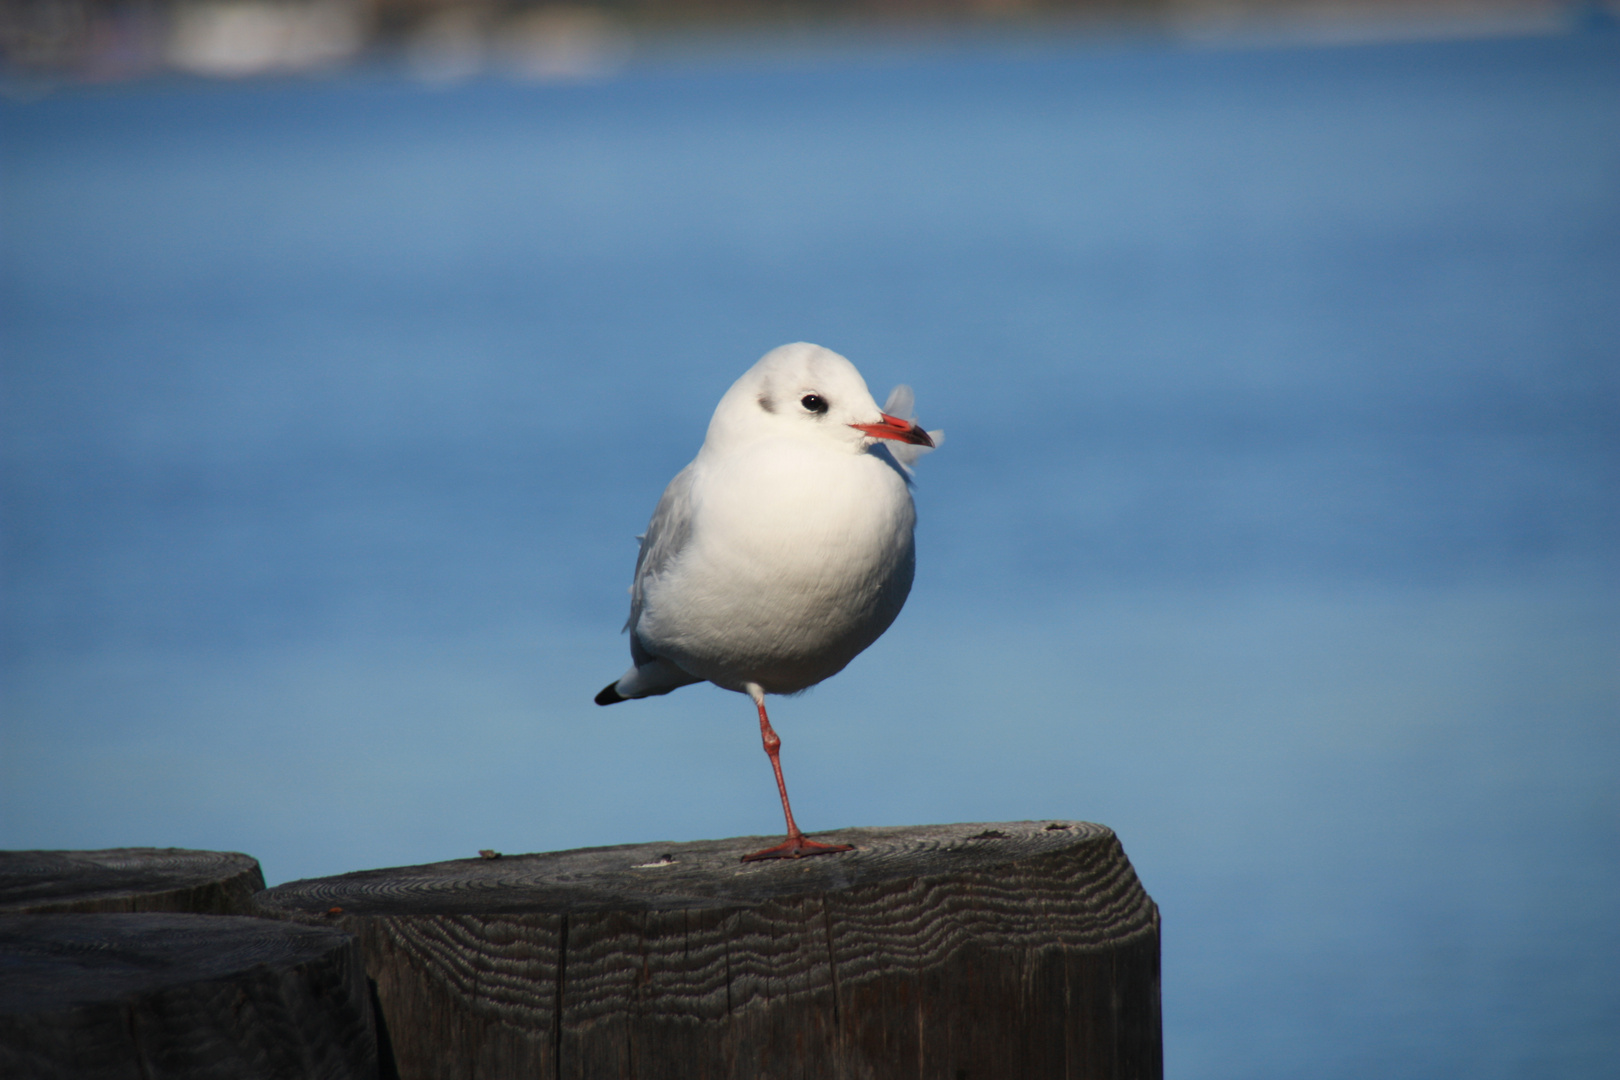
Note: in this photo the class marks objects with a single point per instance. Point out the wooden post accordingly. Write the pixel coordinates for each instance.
(147, 996)
(964, 952)
(128, 879)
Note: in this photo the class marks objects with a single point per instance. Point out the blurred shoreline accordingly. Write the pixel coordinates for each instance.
(50, 42)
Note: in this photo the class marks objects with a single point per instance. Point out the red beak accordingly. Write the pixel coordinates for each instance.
(895, 428)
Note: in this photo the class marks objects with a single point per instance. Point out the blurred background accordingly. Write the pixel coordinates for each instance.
(346, 346)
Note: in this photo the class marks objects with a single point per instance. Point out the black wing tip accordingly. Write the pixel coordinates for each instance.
(610, 694)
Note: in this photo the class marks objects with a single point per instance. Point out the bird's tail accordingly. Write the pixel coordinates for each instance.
(649, 680)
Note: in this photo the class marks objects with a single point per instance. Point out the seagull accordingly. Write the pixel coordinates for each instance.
(783, 550)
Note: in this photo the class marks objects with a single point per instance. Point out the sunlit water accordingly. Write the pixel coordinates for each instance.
(1277, 525)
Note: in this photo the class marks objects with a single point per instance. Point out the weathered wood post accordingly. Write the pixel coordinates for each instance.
(108, 972)
(149, 996)
(129, 879)
(965, 952)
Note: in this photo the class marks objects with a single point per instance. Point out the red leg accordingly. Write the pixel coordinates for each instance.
(796, 846)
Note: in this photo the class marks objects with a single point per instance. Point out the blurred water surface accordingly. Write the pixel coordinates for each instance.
(1277, 525)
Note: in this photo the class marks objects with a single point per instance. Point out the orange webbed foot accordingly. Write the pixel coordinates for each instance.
(797, 847)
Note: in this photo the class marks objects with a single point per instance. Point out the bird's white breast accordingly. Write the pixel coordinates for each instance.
(800, 556)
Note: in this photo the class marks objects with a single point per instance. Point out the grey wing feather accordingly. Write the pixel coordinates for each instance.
(666, 535)
(903, 403)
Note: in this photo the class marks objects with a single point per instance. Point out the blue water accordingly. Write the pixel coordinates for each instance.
(1278, 526)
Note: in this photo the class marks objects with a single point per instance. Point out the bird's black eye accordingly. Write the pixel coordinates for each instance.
(814, 402)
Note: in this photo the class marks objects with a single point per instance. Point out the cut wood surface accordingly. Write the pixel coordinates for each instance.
(149, 996)
(1018, 949)
(128, 879)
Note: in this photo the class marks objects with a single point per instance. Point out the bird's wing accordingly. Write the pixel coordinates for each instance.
(903, 403)
(666, 535)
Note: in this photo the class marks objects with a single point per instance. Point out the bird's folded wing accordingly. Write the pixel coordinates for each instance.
(666, 535)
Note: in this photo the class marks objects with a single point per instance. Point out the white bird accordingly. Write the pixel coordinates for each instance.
(783, 549)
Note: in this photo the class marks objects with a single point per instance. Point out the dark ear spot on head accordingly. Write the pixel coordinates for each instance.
(766, 403)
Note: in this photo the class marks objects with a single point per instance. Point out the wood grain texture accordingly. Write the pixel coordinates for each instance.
(128, 879)
(200, 997)
(1022, 949)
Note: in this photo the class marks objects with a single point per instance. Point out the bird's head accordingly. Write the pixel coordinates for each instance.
(806, 391)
